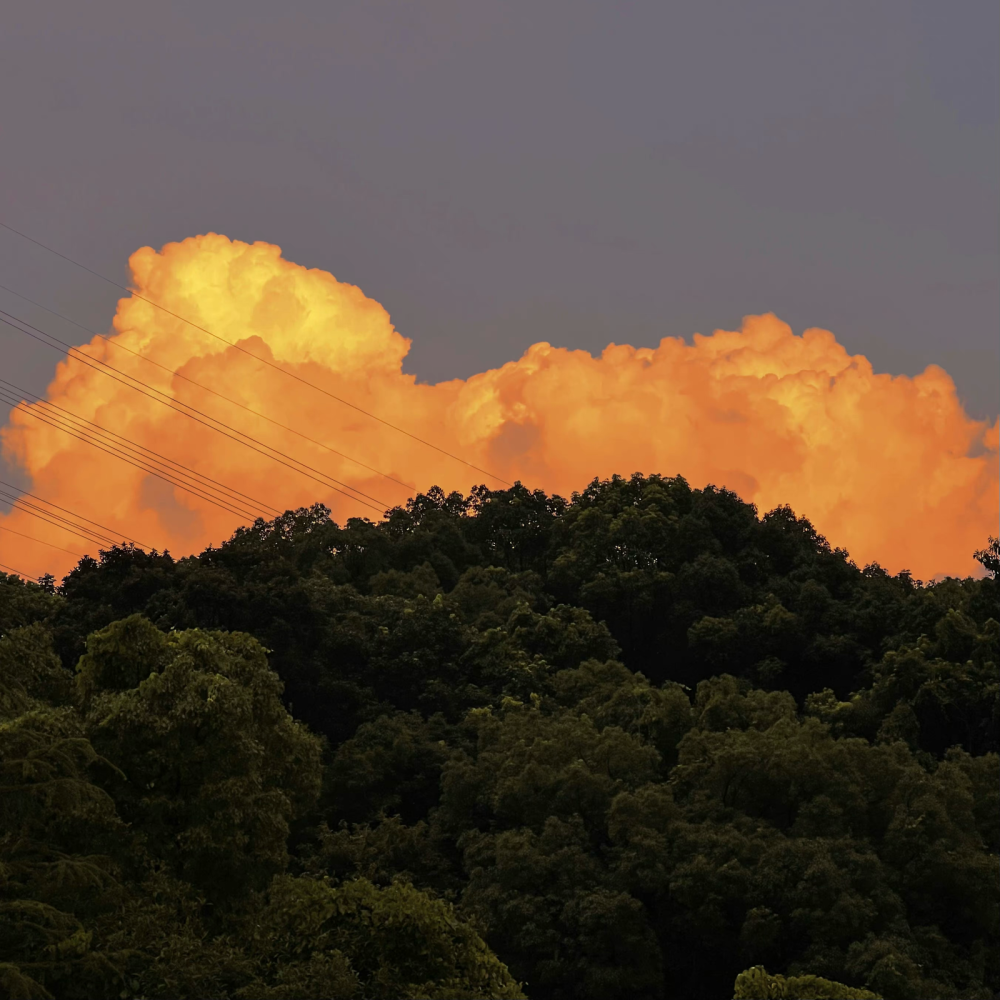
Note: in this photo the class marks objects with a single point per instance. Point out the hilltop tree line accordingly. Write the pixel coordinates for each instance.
(644, 743)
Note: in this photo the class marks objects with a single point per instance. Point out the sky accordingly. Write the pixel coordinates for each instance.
(498, 174)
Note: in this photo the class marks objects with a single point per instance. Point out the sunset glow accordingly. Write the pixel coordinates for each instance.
(891, 468)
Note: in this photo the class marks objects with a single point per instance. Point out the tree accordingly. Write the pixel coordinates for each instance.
(315, 939)
(503, 682)
(213, 767)
(756, 984)
(55, 827)
(23, 603)
(989, 557)
(529, 811)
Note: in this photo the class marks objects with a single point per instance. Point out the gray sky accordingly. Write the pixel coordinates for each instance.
(501, 173)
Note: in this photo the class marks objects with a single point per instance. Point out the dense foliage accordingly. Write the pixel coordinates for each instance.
(625, 746)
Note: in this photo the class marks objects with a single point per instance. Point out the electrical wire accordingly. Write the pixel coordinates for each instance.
(166, 400)
(205, 388)
(56, 521)
(271, 364)
(16, 572)
(41, 541)
(138, 455)
(115, 453)
(20, 494)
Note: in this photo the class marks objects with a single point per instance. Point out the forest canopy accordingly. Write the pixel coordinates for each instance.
(638, 744)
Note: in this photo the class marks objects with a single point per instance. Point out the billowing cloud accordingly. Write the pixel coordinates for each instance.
(889, 467)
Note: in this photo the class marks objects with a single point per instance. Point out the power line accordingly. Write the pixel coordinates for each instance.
(231, 506)
(53, 520)
(113, 443)
(181, 407)
(16, 572)
(20, 494)
(158, 472)
(205, 388)
(40, 541)
(166, 400)
(270, 364)
(57, 520)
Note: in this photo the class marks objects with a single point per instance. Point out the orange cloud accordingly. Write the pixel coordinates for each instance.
(889, 467)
